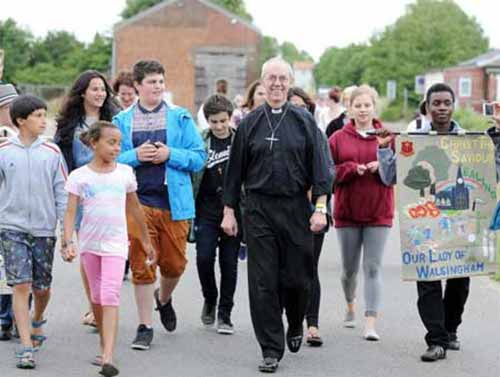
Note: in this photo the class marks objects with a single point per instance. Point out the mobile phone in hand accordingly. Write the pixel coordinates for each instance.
(488, 109)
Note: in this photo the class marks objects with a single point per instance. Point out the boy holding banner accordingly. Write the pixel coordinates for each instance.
(440, 316)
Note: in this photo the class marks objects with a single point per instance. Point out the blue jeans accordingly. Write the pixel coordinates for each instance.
(6, 313)
(209, 237)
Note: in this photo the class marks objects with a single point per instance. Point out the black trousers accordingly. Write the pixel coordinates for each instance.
(442, 315)
(209, 238)
(312, 314)
(280, 266)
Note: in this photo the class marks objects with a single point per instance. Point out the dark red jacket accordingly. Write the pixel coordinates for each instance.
(359, 200)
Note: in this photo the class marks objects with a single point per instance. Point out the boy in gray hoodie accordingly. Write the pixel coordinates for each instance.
(32, 178)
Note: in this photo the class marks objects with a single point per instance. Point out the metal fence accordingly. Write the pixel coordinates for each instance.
(47, 92)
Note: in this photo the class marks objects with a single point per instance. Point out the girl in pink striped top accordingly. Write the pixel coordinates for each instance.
(107, 191)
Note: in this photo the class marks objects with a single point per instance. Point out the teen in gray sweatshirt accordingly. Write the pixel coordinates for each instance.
(32, 199)
(32, 195)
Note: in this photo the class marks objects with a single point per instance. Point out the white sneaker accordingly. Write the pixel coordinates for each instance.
(349, 320)
(371, 335)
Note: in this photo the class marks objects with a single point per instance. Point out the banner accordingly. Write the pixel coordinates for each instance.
(446, 199)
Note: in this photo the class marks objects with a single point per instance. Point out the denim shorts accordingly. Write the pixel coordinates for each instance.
(27, 259)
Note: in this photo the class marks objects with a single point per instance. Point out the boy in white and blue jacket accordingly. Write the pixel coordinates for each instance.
(33, 199)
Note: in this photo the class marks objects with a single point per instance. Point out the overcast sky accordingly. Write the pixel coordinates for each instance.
(313, 25)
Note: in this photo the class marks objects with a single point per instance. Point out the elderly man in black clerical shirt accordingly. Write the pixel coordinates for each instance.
(277, 156)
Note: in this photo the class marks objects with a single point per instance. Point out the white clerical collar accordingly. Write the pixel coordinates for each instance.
(277, 111)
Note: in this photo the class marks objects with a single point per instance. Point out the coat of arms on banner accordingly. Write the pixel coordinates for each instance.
(407, 148)
(446, 199)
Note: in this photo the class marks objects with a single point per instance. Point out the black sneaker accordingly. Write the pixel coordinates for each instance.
(269, 365)
(167, 312)
(5, 333)
(208, 314)
(433, 353)
(454, 343)
(224, 326)
(294, 339)
(109, 370)
(143, 338)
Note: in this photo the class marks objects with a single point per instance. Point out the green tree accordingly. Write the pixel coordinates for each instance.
(237, 7)
(55, 48)
(96, 55)
(269, 47)
(342, 66)
(47, 74)
(17, 43)
(62, 67)
(291, 53)
(432, 34)
(133, 7)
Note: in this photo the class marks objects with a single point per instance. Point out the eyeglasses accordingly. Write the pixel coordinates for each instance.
(274, 78)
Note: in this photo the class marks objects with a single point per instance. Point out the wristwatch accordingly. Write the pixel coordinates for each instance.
(321, 208)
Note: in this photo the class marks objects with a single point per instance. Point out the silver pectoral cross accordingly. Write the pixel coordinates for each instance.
(272, 139)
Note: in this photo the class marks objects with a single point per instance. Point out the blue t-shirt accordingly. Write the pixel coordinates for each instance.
(82, 154)
(151, 125)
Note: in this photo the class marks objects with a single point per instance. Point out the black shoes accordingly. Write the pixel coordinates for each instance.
(434, 353)
(5, 333)
(208, 314)
(454, 343)
(224, 325)
(143, 338)
(294, 339)
(269, 365)
(167, 312)
(109, 370)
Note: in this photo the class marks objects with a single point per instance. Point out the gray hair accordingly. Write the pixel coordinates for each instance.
(279, 60)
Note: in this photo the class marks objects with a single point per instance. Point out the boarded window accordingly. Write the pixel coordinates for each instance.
(465, 87)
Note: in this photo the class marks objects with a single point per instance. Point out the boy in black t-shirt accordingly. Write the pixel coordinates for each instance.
(208, 185)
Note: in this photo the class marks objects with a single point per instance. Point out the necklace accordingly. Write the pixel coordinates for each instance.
(272, 139)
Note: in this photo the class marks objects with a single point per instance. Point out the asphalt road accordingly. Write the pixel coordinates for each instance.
(194, 351)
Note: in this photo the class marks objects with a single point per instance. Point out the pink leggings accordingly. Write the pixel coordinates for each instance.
(105, 277)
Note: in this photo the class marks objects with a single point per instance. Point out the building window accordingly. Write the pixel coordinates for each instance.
(498, 88)
(465, 87)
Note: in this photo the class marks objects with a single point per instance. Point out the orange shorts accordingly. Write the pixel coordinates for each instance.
(169, 239)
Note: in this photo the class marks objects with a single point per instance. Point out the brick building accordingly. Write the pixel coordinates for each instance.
(197, 42)
(476, 81)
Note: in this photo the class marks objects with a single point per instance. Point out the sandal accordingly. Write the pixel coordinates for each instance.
(88, 319)
(314, 340)
(97, 361)
(38, 339)
(25, 358)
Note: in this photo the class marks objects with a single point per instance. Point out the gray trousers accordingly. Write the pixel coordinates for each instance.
(372, 240)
